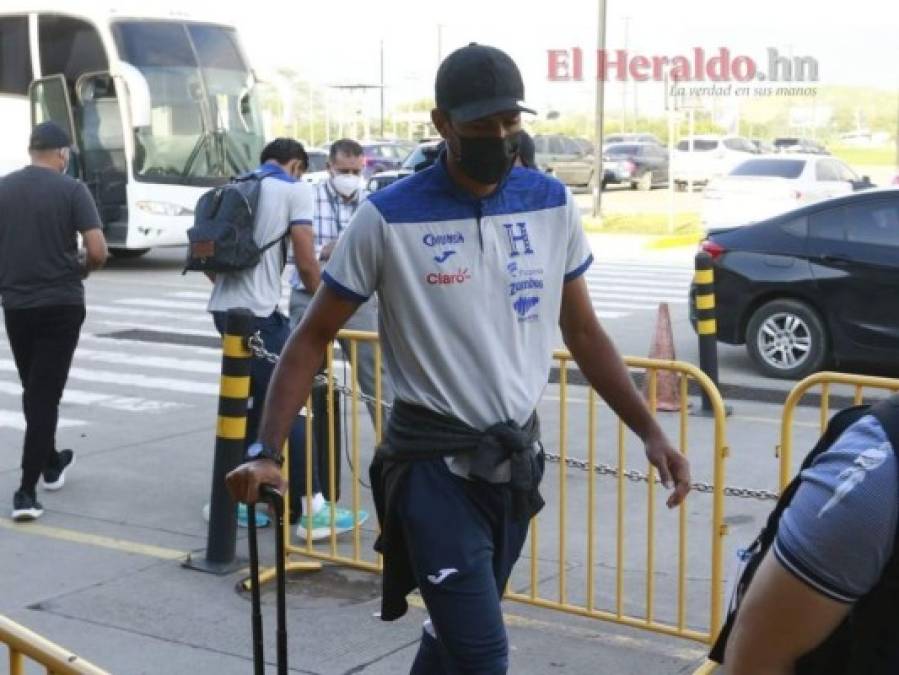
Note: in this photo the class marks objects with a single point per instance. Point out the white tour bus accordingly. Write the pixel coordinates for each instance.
(160, 108)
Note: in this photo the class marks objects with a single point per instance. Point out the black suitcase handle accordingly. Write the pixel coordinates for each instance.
(271, 495)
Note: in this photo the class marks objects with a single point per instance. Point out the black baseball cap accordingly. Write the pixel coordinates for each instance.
(477, 81)
(48, 136)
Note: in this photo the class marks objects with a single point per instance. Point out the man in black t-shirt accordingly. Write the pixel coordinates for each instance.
(41, 212)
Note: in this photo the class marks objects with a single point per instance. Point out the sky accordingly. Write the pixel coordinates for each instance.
(338, 42)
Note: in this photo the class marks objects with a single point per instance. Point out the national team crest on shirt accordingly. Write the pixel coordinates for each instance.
(519, 240)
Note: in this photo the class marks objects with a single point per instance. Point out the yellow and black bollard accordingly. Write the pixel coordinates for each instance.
(230, 438)
(706, 325)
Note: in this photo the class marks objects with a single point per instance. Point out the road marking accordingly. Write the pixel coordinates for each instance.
(163, 304)
(11, 419)
(622, 305)
(76, 537)
(644, 278)
(132, 380)
(774, 420)
(157, 362)
(190, 295)
(601, 292)
(148, 314)
(89, 398)
(624, 264)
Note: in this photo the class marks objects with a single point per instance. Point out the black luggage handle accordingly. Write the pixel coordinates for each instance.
(276, 499)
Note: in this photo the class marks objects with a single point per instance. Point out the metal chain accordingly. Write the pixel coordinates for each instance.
(257, 347)
(638, 477)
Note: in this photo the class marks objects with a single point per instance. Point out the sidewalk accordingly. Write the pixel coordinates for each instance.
(100, 575)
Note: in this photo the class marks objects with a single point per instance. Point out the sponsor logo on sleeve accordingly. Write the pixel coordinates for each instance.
(850, 478)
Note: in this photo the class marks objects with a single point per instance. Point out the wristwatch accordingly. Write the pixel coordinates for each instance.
(259, 450)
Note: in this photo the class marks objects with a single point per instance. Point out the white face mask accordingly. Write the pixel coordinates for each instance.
(346, 184)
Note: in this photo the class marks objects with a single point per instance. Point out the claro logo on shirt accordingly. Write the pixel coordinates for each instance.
(442, 279)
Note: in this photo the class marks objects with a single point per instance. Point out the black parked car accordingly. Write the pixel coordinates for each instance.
(811, 286)
(640, 165)
(420, 158)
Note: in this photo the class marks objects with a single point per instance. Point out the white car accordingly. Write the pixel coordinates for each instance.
(699, 159)
(768, 185)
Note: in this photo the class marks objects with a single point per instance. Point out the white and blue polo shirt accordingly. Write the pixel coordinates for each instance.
(469, 289)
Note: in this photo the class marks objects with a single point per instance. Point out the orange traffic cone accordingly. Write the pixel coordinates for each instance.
(667, 389)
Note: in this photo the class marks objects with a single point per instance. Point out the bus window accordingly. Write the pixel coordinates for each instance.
(15, 56)
(69, 47)
(204, 121)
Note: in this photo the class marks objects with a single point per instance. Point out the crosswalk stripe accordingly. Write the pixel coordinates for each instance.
(599, 304)
(642, 286)
(631, 274)
(190, 295)
(611, 315)
(149, 314)
(11, 419)
(163, 304)
(594, 294)
(132, 380)
(624, 264)
(109, 401)
(157, 362)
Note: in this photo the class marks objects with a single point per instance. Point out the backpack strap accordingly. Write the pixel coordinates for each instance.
(253, 175)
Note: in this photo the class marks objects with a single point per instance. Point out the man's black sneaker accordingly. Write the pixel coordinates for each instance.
(25, 507)
(55, 478)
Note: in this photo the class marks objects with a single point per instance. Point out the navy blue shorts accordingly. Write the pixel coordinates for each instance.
(463, 541)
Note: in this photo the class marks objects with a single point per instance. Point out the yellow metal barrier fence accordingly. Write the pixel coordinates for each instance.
(706, 668)
(826, 380)
(350, 553)
(22, 644)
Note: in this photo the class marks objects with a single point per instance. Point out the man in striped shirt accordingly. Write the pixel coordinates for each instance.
(336, 201)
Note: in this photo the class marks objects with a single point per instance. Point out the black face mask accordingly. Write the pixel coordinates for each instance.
(486, 160)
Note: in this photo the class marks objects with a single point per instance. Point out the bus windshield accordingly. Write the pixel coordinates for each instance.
(205, 124)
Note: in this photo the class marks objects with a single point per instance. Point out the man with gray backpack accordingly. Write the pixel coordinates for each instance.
(239, 240)
(820, 588)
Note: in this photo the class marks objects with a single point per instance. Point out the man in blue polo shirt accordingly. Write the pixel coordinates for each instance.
(475, 263)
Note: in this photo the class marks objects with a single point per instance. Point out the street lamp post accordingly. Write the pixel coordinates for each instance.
(600, 104)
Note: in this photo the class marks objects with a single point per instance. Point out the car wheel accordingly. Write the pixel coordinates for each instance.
(126, 253)
(644, 184)
(786, 339)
